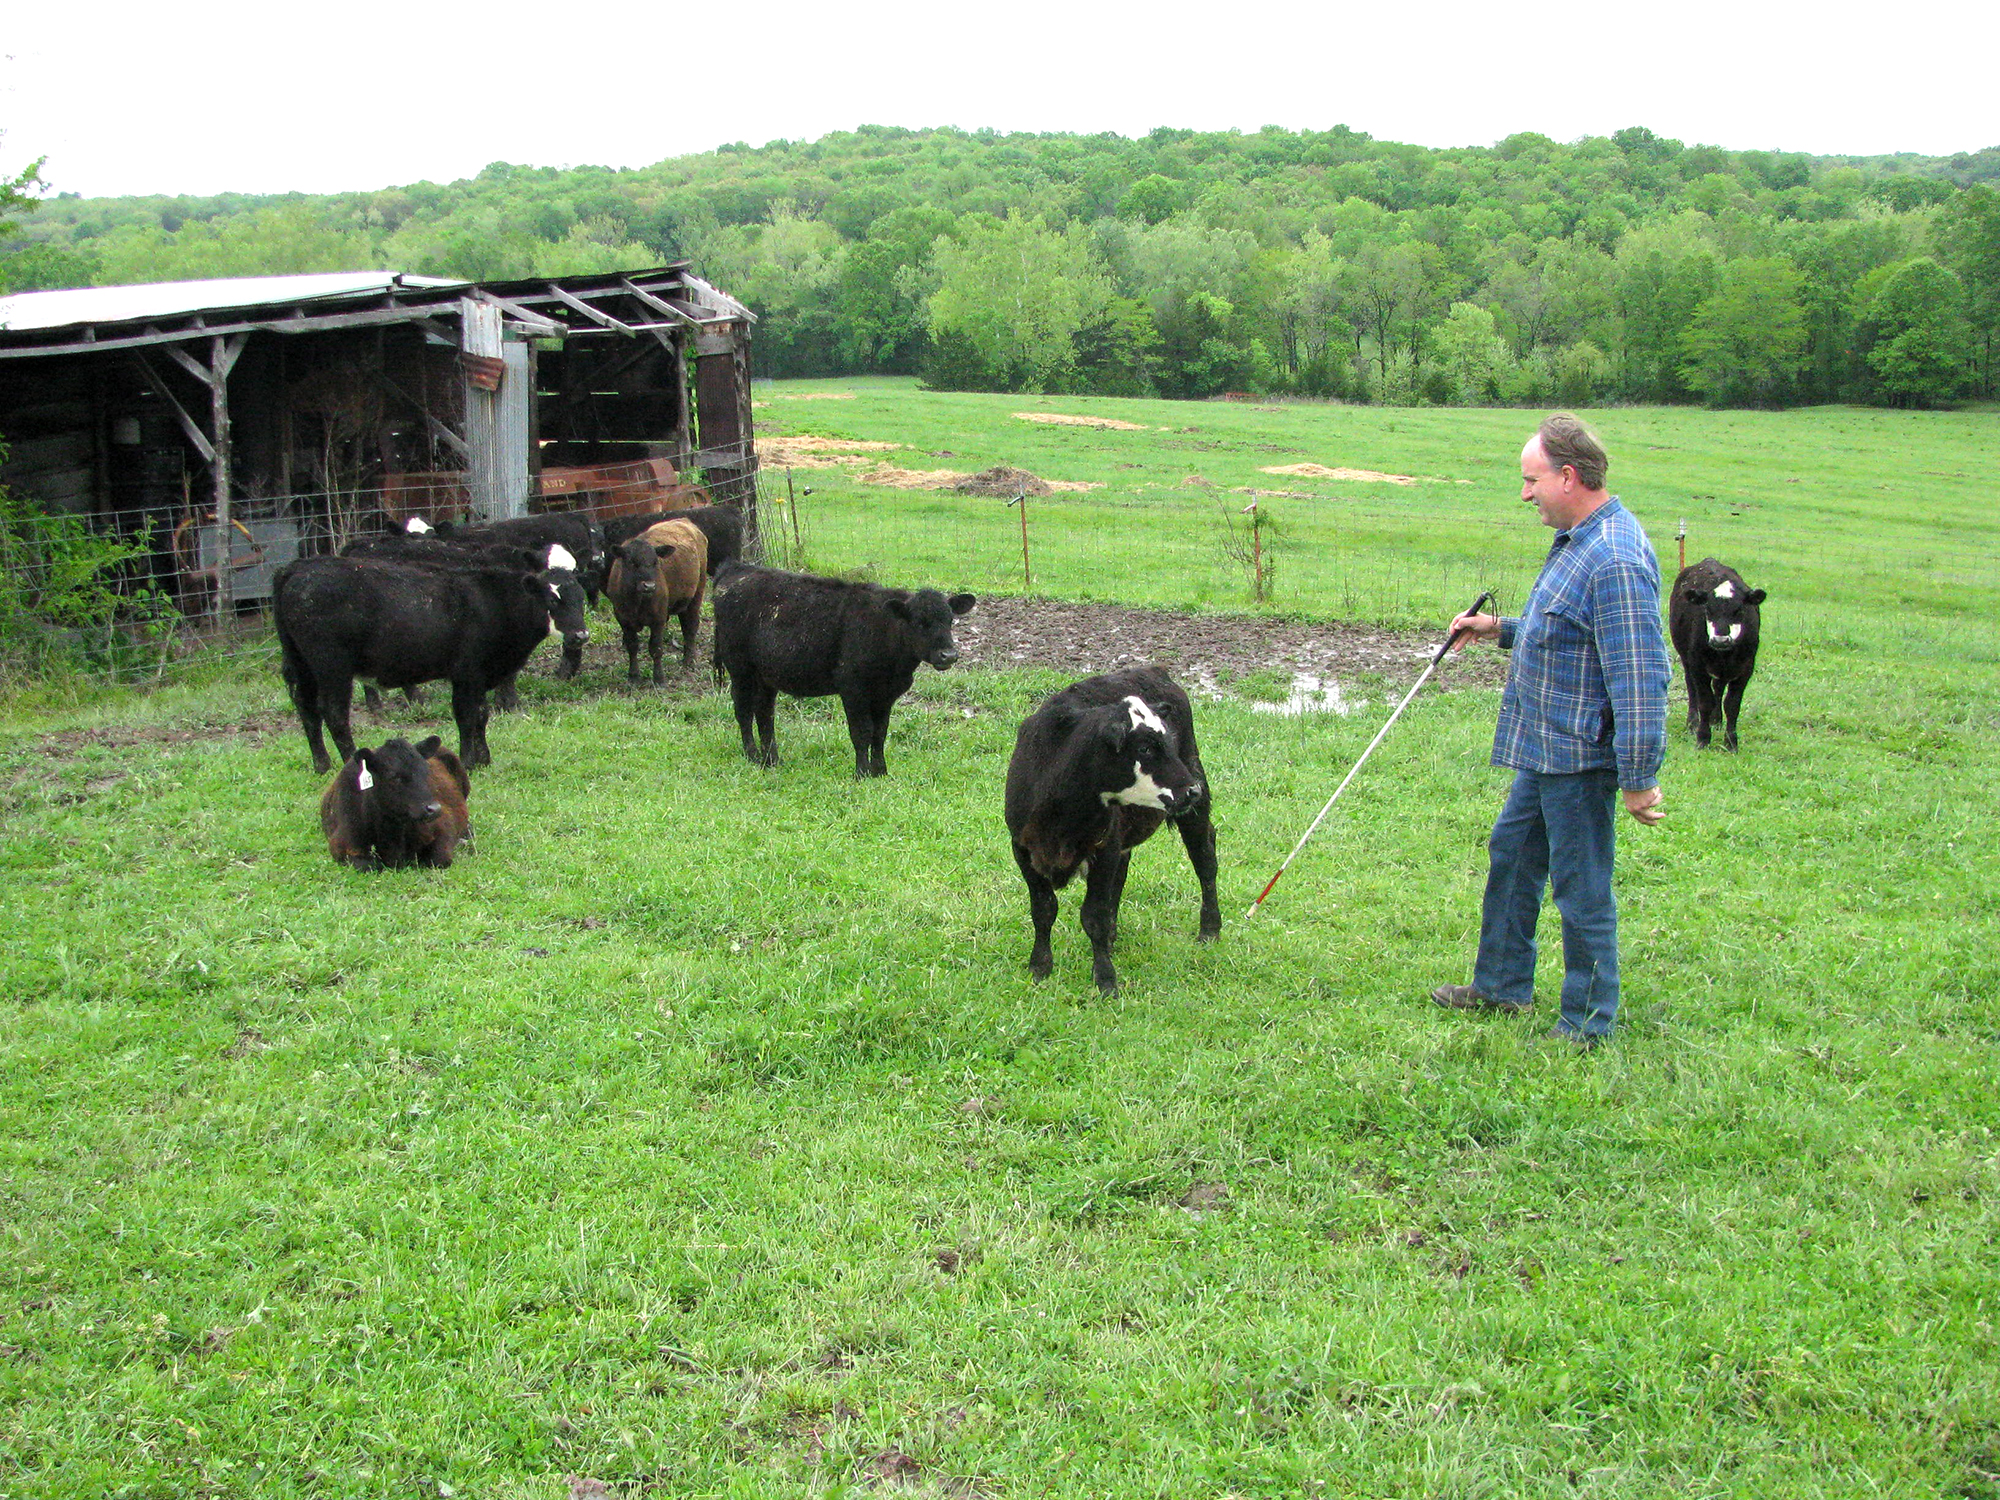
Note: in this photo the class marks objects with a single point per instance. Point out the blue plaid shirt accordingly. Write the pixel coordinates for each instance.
(1587, 686)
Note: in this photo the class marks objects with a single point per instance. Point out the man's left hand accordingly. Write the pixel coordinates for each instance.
(1645, 806)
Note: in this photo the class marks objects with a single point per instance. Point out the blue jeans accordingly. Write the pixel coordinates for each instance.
(1554, 829)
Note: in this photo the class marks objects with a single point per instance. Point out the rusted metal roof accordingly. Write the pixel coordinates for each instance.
(173, 299)
(658, 300)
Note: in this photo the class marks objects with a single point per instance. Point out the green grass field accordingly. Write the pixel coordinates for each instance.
(703, 1134)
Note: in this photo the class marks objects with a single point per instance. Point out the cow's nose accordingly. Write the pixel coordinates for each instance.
(944, 658)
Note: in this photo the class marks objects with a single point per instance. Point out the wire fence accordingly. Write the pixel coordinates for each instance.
(1414, 561)
(136, 593)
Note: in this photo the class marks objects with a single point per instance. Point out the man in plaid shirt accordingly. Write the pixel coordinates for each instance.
(1583, 718)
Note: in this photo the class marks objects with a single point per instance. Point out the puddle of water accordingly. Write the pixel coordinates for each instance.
(1312, 695)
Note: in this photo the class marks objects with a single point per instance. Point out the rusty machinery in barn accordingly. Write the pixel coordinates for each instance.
(239, 423)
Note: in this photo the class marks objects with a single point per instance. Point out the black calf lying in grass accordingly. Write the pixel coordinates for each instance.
(397, 806)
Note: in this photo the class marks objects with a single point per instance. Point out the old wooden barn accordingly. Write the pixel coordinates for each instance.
(290, 413)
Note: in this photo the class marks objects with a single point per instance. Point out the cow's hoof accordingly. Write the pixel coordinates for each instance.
(1107, 988)
(1208, 934)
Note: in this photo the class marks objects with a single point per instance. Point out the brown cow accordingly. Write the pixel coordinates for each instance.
(400, 805)
(662, 571)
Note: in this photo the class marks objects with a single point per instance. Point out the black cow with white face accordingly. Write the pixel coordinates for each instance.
(1096, 770)
(812, 637)
(1713, 619)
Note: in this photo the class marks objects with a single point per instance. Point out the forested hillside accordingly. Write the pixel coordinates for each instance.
(1185, 264)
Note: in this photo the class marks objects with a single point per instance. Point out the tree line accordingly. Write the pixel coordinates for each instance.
(1624, 268)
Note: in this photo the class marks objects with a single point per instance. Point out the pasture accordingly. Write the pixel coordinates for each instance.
(702, 1134)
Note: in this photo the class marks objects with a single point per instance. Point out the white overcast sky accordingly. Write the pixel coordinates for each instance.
(218, 95)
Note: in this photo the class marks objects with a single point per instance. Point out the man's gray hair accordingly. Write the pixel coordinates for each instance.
(1565, 440)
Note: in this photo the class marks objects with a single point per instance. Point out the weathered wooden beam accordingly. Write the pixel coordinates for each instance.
(437, 429)
(596, 315)
(538, 325)
(658, 304)
(222, 353)
(188, 424)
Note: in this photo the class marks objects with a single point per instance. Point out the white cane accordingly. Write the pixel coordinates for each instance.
(1379, 734)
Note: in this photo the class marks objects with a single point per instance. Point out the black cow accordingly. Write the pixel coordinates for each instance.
(576, 530)
(339, 618)
(1713, 619)
(810, 637)
(1096, 770)
(456, 552)
(400, 805)
(721, 524)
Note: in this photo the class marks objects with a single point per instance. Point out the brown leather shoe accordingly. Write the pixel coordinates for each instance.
(1465, 997)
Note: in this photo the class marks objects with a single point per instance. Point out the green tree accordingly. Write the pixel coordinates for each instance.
(1915, 334)
(1470, 353)
(1153, 199)
(1747, 343)
(1011, 297)
(1969, 236)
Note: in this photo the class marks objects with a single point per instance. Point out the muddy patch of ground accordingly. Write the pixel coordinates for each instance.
(74, 742)
(1202, 650)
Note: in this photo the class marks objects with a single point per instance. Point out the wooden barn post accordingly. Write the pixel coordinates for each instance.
(482, 365)
(222, 353)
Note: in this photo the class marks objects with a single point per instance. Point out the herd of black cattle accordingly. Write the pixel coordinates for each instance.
(1096, 770)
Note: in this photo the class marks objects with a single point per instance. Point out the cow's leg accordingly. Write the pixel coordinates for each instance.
(468, 707)
(1689, 672)
(571, 664)
(371, 698)
(878, 739)
(505, 698)
(865, 731)
(335, 697)
(743, 698)
(304, 688)
(690, 627)
(1732, 700)
(1041, 911)
(1198, 834)
(1100, 914)
(767, 727)
(631, 635)
(1705, 713)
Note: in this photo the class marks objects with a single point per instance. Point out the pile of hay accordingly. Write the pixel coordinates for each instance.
(1061, 419)
(1321, 471)
(1004, 482)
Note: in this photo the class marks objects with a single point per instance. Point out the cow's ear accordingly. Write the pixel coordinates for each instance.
(1691, 594)
(899, 608)
(1756, 596)
(961, 604)
(426, 748)
(533, 583)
